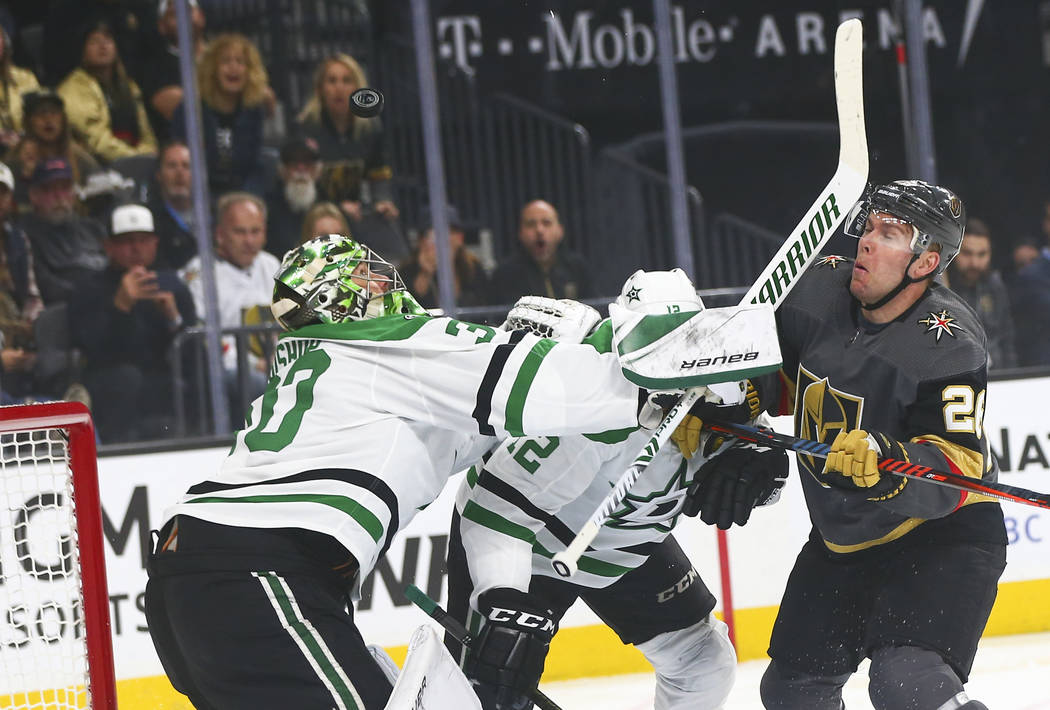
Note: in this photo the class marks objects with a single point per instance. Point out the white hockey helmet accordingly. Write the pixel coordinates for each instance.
(653, 292)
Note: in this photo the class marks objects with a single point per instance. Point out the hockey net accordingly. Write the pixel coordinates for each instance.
(55, 647)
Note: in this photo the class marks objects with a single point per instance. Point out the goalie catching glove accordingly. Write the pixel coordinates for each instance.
(732, 484)
(563, 320)
(855, 455)
(506, 660)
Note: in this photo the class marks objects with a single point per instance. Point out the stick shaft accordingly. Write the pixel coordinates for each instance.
(993, 489)
(459, 632)
(781, 274)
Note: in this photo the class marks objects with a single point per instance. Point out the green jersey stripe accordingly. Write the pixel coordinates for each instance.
(309, 640)
(494, 521)
(590, 565)
(614, 436)
(393, 327)
(601, 338)
(697, 380)
(520, 389)
(650, 329)
(362, 515)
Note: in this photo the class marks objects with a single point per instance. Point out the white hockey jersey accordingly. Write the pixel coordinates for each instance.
(532, 495)
(362, 423)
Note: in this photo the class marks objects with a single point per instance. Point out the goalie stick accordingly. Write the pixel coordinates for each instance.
(899, 467)
(781, 273)
(459, 632)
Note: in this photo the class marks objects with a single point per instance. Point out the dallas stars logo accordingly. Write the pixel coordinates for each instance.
(659, 509)
(832, 261)
(634, 294)
(939, 324)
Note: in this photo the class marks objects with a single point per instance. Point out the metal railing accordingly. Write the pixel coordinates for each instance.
(632, 204)
(499, 152)
(531, 153)
(192, 385)
(737, 250)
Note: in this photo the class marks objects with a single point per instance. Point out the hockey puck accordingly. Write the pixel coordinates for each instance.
(366, 103)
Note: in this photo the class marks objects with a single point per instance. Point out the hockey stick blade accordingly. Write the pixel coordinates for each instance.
(459, 632)
(898, 467)
(780, 275)
(842, 191)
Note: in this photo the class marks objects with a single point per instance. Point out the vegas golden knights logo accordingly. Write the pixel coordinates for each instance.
(821, 412)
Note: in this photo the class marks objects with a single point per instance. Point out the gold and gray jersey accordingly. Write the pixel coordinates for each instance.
(920, 379)
(362, 423)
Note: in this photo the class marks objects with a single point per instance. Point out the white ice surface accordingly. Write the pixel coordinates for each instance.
(1009, 673)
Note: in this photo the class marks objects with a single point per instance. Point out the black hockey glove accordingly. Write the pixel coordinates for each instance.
(854, 464)
(729, 486)
(506, 660)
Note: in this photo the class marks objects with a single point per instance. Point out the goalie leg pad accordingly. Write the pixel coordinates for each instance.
(385, 662)
(906, 677)
(695, 666)
(431, 678)
(784, 689)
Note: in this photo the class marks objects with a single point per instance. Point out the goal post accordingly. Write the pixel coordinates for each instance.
(55, 644)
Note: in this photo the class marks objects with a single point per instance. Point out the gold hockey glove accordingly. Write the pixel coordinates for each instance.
(855, 455)
(687, 435)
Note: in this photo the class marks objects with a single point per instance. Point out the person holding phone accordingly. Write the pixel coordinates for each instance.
(124, 320)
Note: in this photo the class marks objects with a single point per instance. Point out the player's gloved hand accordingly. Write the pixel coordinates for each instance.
(855, 455)
(729, 486)
(506, 660)
(687, 436)
(563, 320)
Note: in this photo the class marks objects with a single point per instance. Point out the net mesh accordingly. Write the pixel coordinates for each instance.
(43, 650)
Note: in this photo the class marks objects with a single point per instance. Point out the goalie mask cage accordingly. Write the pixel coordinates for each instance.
(55, 647)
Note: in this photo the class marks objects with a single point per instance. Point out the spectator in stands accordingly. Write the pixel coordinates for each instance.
(171, 202)
(972, 277)
(323, 218)
(1030, 296)
(134, 28)
(19, 300)
(420, 272)
(124, 319)
(14, 81)
(1026, 250)
(244, 276)
(233, 88)
(64, 244)
(357, 173)
(162, 84)
(293, 195)
(103, 103)
(47, 136)
(540, 267)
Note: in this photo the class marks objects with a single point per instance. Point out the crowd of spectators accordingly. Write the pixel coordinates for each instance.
(107, 105)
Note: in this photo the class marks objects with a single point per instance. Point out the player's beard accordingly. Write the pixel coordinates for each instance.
(301, 193)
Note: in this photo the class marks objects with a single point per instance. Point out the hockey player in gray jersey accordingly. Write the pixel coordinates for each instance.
(881, 361)
(530, 496)
(370, 406)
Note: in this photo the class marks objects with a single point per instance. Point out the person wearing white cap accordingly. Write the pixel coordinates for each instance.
(124, 320)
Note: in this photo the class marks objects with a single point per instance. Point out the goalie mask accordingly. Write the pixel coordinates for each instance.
(936, 215)
(332, 279)
(653, 292)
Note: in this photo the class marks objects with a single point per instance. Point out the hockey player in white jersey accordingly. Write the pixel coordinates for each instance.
(533, 493)
(370, 406)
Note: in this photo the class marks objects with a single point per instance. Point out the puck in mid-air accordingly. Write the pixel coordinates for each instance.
(366, 103)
